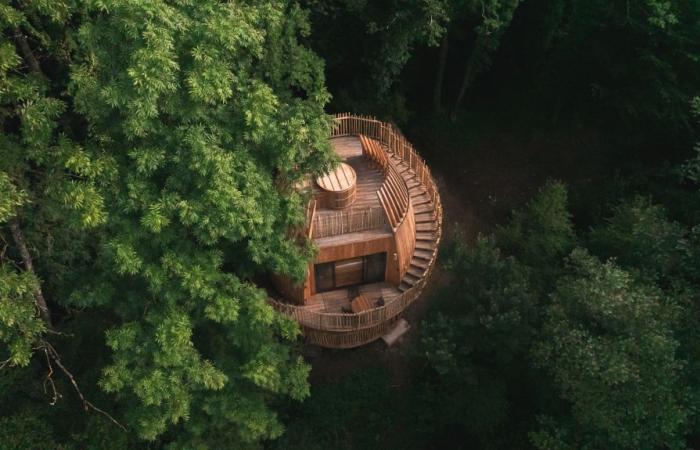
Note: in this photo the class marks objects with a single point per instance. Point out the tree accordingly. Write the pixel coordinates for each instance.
(473, 347)
(496, 17)
(162, 127)
(49, 188)
(608, 342)
(541, 233)
(640, 236)
(211, 111)
(628, 64)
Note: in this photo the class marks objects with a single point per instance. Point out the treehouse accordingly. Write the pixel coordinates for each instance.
(377, 221)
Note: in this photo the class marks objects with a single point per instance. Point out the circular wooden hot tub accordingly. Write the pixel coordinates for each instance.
(339, 186)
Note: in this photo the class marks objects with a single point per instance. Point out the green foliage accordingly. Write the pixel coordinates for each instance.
(19, 326)
(468, 346)
(496, 16)
(26, 431)
(141, 141)
(604, 356)
(630, 61)
(542, 232)
(338, 414)
(207, 127)
(640, 236)
(496, 304)
(609, 343)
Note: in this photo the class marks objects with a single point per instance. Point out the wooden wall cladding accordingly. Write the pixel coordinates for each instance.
(370, 246)
(295, 292)
(383, 243)
(405, 242)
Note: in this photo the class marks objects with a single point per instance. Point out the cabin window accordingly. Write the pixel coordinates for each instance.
(350, 272)
(374, 267)
(324, 276)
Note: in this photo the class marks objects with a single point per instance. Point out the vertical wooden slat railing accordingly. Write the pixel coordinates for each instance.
(348, 330)
(347, 221)
(393, 194)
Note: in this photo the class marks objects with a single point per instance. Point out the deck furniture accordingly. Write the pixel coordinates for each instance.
(339, 187)
(360, 303)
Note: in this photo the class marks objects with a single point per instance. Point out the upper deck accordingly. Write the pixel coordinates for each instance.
(366, 212)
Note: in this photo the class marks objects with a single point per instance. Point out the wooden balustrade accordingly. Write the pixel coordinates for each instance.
(347, 339)
(347, 221)
(327, 328)
(393, 195)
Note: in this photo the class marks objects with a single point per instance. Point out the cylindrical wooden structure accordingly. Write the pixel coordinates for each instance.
(339, 186)
(410, 200)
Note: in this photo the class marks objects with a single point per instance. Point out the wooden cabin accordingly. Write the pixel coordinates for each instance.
(377, 222)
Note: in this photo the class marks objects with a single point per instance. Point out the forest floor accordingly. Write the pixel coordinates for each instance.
(481, 179)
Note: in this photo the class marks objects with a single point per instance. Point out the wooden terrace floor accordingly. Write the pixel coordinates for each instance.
(369, 178)
(335, 301)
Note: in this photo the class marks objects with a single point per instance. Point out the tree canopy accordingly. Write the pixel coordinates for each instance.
(149, 158)
(141, 139)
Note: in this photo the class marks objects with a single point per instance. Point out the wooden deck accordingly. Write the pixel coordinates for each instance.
(369, 179)
(335, 301)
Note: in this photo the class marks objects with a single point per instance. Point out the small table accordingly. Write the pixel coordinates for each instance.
(360, 303)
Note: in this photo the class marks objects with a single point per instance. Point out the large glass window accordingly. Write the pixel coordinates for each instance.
(375, 267)
(350, 272)
(324, 276)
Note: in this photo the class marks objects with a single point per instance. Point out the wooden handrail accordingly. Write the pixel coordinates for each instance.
(396, 143)
(393, 193)
(348, 221)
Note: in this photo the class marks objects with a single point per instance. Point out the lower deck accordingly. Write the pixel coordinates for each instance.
(340, 300)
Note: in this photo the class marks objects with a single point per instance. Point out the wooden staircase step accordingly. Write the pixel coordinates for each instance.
(403, 287)
(424, 217)
(420, 200)
(410, 279)
(423, 208)
(413, 183)
(420, 264)
(403, 168)
(415, 271)
(428, 245)
(425, 255)
(431, 226)
(425, 236)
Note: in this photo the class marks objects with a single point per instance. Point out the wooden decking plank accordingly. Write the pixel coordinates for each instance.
(410, 278)
(404, 286)
(415, 271)
(419, 263)
(424, 217)
(425, 236)
(422, 254)
(431, 226)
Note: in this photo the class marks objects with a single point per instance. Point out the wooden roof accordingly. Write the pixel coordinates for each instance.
(340, 179)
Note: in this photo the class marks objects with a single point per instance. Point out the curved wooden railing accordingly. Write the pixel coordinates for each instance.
(386, 133)
(348, 339)
(344, 328)
(393, 195)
